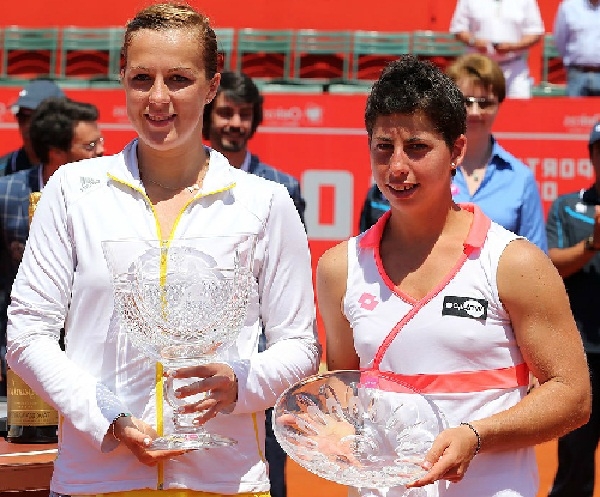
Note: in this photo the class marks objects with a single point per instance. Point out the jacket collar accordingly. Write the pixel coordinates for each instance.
(220, 175)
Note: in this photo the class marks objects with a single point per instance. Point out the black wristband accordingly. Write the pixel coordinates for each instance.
(478, 446)
(120, 415)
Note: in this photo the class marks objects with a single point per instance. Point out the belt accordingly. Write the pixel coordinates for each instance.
(585, 68)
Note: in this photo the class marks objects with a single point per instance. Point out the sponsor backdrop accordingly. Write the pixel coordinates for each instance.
(321, 140)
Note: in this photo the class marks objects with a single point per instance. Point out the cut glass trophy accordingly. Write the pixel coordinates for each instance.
(357, 428)
(182, 303)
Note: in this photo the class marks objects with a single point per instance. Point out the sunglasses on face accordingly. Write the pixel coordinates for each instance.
(482, 102)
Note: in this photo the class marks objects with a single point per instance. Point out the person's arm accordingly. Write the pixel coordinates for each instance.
(332, 271)
(526, 42)
(569, 260)
(534, 296)
(560, 31)
(287, 311)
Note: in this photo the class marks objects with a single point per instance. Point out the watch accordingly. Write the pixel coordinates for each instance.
(589, 244)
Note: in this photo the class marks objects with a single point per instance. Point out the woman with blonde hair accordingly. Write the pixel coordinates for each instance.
(164, 186)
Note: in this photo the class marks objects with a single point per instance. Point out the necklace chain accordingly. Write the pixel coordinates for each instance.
(190, 188)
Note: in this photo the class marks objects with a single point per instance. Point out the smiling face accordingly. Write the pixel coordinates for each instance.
(411, 162)
(231, 124)
(166, 87)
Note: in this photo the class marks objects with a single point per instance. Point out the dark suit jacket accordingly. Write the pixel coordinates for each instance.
(293, 186)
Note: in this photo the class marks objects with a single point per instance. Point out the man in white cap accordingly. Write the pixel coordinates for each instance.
(573, 228)
(29, 98)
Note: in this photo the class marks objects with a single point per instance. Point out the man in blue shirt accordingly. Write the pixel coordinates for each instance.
(573, 228)
(577, 39)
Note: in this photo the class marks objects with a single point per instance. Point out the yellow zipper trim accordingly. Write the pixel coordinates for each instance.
(256, 432)
(158, 375)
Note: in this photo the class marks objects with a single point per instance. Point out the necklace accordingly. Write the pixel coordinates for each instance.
(191, 188)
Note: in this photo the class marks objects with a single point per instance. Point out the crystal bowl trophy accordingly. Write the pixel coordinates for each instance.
(357, 428)
(182, 303)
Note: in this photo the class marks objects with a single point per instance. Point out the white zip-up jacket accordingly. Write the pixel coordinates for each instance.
(63, 280)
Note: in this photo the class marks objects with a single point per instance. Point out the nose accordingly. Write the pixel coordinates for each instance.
(99, 149)
(236, 120)
(398, 163)
(159, 93)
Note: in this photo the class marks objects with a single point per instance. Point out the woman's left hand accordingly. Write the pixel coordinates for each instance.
(217, 381)
(449, 457)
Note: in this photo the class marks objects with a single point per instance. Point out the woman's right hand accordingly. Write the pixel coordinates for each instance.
(137, 435)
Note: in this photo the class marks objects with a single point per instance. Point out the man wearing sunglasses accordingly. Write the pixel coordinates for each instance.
(60, 131)
(29, 98)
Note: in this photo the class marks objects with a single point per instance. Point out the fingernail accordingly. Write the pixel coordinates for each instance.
(147, 441)
(181, 409)
(427, 465)
(195, 422)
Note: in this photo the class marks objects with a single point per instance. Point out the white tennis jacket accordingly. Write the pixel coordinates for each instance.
(63, 280)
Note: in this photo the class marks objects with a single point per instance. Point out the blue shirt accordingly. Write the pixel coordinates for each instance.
(577, 32)
(570, 220)
(508, 195)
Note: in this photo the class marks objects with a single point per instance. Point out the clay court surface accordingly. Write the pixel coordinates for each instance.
(302, 483)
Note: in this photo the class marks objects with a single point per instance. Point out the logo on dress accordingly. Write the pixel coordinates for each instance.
(368, 301)
(465, 307)
(87, 182)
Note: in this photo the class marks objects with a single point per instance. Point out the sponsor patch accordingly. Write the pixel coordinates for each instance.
(465, 307)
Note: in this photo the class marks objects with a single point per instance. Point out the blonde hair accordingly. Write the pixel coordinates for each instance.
(163, 16)
(482, 69)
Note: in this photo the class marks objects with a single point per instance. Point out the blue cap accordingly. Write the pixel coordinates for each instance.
(35, 92)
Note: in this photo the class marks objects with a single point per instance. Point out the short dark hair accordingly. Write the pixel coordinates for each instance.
(408, 86)
(53, 123)
(241, 89)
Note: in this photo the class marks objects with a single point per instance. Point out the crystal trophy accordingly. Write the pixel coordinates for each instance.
(357, 429)
(182, 303)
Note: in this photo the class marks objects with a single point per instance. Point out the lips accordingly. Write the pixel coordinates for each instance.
(402, 191)
(160, 119)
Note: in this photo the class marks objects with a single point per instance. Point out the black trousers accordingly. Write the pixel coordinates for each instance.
(576, 450)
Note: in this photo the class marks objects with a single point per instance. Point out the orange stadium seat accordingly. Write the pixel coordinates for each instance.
(321, 57)
(373, 50)
(28, 53)
(88, 54)
(439, 47)
(263, 54)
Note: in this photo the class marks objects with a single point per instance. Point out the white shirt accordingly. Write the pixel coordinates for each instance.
(63, 280)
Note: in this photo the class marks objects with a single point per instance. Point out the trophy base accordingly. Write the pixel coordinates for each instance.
(191, 441)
